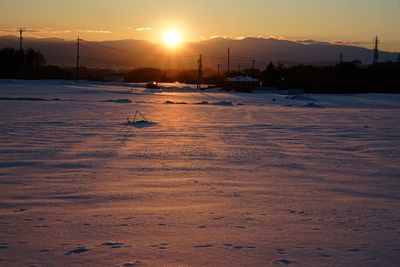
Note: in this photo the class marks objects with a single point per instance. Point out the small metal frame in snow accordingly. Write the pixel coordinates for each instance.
(138, 113)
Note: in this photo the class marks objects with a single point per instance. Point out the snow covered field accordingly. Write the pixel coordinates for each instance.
(238, 180)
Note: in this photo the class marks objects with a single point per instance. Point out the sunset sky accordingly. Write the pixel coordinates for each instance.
(353, 21)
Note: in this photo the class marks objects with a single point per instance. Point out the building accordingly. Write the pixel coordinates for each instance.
(117, 78)
(242, 83)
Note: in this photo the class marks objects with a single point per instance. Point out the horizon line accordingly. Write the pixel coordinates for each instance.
(360, 44)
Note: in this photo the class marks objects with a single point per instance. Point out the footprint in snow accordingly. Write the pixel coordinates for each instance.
(20, 210)
(280, 251)
(78, 250)
(284, 261)
(353, 250)
(203, 246)
(163, 246)
(111, 244)
(44, 250)
(131, 264)
(160, 246)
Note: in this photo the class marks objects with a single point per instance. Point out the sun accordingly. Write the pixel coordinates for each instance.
(172, 37)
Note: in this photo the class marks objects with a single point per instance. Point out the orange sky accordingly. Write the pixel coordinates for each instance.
(352, 21)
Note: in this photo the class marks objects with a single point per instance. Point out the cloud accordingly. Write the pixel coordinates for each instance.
(50, 30)
(92, 31)
(279, 37)
(247, 36)
(143, 29)
(218, 36)
(12, 30)
(306, 41)
(9, 30)
(341, 42)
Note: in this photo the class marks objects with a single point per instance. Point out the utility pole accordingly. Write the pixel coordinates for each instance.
(21, 54)
(21, 38)
(229, 60)
(253, 65)
(376, 51)
(200, 73)
(341, 58)
(77, 58)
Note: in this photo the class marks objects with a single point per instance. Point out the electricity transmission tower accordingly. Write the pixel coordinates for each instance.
(21, 38)
(229, 61)
(376, 50)
(200, 71)
(78, 44)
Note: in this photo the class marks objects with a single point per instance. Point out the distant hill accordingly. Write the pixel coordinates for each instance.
(137, 53)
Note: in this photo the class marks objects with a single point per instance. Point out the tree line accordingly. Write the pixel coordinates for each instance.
(346, 77)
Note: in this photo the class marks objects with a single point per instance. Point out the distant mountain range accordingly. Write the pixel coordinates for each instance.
(125, 54)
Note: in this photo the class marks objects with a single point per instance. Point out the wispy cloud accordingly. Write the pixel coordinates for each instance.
(143, 29)
(220, 36)
(50, 30)
(92, 31)
(306, 41)
(244, 37)
(284, 38)
(12, 30)
(341, 42)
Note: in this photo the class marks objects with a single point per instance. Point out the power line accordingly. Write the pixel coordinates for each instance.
(132, 52)
(179, 56)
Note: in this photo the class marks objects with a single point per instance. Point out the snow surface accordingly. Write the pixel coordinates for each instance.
(268, 179)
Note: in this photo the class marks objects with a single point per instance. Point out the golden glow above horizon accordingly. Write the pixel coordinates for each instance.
(172, 37)
(355, 21)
